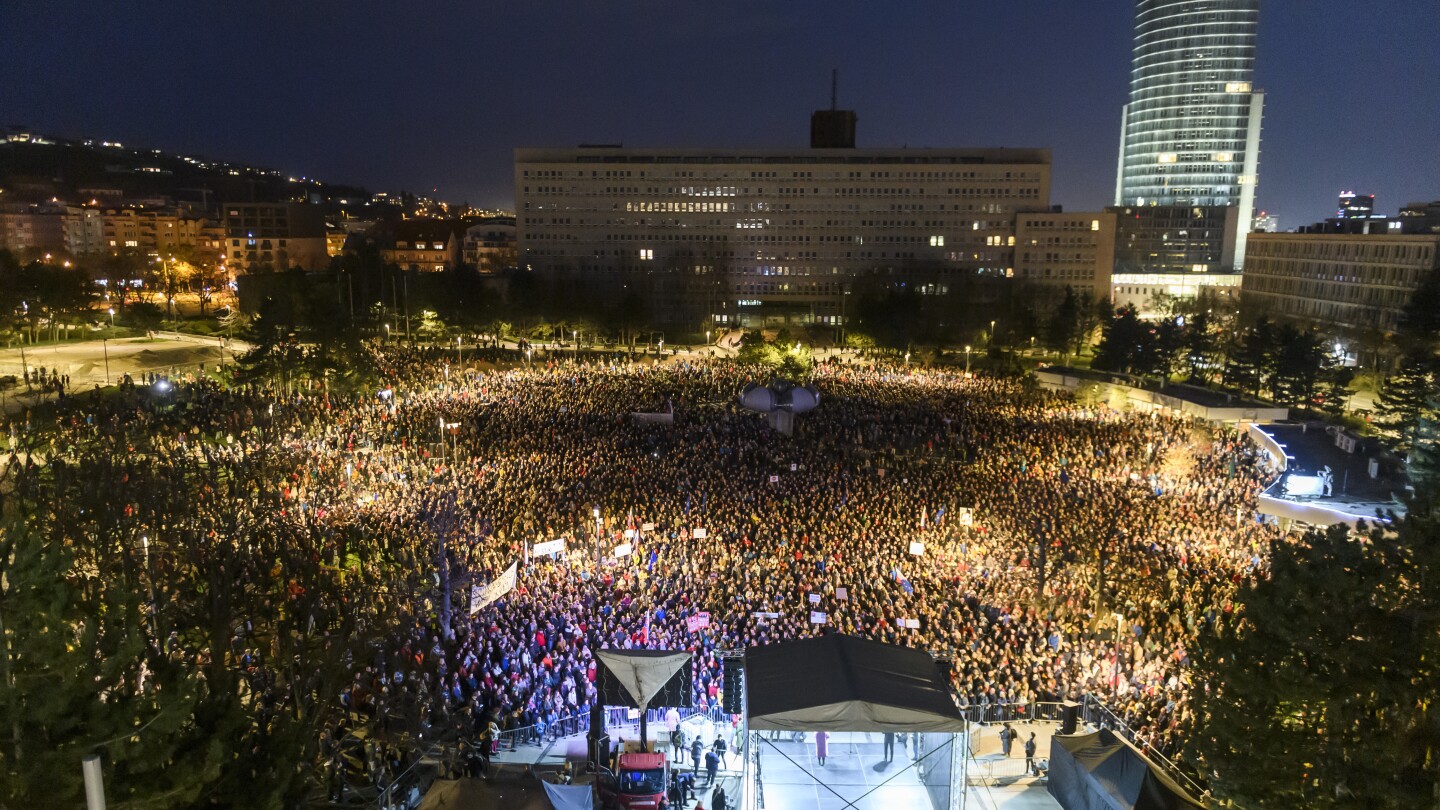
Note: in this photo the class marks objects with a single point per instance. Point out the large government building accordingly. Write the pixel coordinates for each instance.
(730, 237)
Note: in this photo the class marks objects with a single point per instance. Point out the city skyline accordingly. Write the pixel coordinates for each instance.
(432, 100)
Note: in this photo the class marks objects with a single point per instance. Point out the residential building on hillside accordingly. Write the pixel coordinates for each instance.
(152, 231)
(489, 245)
(274, 236)
(84, 229)
(421, 244)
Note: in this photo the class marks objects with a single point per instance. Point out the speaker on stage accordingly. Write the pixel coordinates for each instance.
(1069, 717)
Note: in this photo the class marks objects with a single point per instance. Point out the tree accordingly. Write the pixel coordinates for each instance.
(1298, 364)
(1322, 690)
(1063, 326)
(1248, 366)
(1336, 389)
(1420, 322)
(791, 361)
(1404, 402)
(1124, 343)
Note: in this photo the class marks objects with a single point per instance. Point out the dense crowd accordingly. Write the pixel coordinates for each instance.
(1067, 549)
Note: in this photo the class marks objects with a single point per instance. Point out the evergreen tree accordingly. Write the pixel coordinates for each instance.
(1404, 401)
(1248, 366)
(1202, 348)
(1420, 322)
(1063, 324)
(1125, 344)
(1297, 365)
(1335, 391)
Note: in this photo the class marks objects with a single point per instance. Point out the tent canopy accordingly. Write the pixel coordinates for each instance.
(1101, 770)
(643, 672)
(844, 683)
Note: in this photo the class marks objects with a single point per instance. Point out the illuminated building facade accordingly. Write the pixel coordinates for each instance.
(1339, 282)
(769, 237)
(1190, 134)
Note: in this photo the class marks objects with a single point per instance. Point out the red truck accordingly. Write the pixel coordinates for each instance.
(638, 783)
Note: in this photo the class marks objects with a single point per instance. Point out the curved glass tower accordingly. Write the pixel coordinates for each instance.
(1190, 135)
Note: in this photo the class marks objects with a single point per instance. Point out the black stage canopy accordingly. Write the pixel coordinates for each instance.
(1100, 771)
(844, 683)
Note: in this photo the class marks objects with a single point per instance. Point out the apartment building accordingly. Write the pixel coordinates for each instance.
(274, 236)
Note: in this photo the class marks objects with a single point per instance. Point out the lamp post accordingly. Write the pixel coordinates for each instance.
(528, 362)
(992, 332)
(112, 317)
(105, 345)
(967, 360)
(459, 355)
(575, 335)
(387, 333)
(598, 537)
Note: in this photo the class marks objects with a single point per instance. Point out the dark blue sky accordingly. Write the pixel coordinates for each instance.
(426, 94)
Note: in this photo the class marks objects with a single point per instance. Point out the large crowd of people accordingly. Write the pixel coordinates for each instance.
(1045, 548)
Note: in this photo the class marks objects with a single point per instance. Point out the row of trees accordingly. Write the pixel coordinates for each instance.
(1203, 343)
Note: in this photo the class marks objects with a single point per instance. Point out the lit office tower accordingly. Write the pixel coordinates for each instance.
(1190, 135)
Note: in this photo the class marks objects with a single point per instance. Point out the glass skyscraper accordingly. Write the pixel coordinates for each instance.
(1190, 135)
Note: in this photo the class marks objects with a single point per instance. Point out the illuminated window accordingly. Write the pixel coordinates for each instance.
(1167, 157)
(1237, 87)
(1223, 157)
(646, 254)
(1094, 224)
(937, 241)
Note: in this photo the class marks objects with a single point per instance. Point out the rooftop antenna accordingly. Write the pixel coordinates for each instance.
(834, 81)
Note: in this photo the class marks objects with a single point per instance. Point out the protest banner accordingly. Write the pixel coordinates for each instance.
(503, 584)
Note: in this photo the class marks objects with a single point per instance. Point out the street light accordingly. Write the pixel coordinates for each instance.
(598, 536)
(967, 360)
(112, 317)
(575, 335)
(528, 362)
(992, 332)
(459, 356)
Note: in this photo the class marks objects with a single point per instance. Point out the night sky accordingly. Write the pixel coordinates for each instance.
(423, 95)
